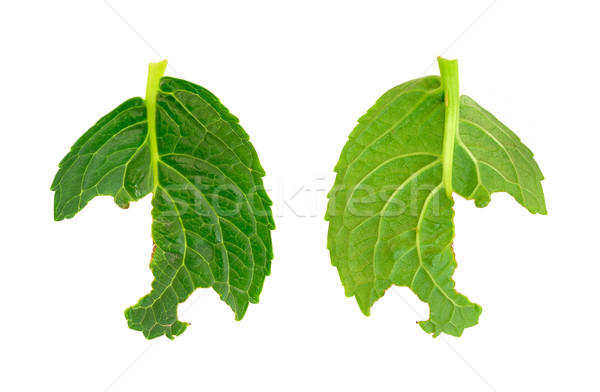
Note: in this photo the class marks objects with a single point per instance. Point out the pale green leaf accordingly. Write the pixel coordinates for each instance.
(391, 220)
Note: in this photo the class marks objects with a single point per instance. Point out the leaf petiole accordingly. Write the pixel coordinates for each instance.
(155, 72)
(449, 74)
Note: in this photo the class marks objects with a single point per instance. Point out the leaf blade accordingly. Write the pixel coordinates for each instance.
(500, 162)
(208, 166)
(101, 159)
(394, 155)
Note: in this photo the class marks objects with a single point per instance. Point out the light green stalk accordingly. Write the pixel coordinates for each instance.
(155, 72)
(449, 74)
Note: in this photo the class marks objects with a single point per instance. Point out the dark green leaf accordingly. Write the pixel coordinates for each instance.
(211, 215)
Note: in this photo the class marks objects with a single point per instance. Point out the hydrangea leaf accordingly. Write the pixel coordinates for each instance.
(390, 210)
(212, 218)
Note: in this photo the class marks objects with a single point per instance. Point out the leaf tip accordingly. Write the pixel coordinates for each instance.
(365, 308)
(240, 313)
(543, 210)
(481, 203)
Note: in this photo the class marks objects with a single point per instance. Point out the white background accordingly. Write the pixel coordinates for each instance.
(299, 74)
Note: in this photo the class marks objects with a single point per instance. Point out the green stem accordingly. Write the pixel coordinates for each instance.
(449, 74)
(155, 72)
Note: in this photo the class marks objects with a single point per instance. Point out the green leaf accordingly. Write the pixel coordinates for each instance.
(211, 215)
(390, 210)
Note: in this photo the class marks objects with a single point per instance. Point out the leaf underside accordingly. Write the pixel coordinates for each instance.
(391, 222)
(211, 215)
